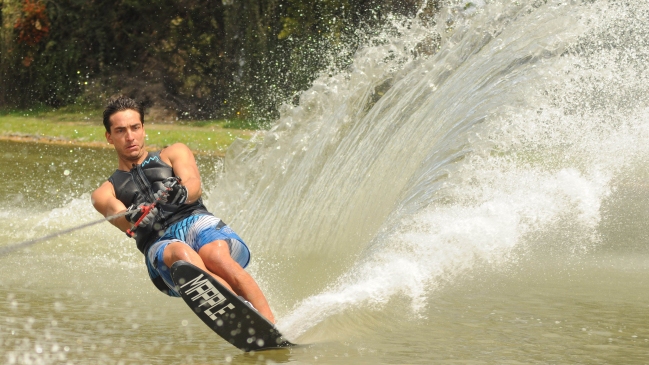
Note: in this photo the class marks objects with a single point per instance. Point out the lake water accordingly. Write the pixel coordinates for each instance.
(483, 199)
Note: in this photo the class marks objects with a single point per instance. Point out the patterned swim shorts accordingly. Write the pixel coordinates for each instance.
(195, 231)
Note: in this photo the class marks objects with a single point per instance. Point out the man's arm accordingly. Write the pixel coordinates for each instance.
(104, 200)
(181, 159)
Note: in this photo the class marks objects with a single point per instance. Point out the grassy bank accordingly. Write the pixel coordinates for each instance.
(84, 127)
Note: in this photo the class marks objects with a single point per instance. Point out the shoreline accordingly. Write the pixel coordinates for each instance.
(59, 141)
(31, 138)
(207, 138)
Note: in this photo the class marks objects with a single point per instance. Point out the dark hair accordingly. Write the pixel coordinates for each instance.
(119, 104)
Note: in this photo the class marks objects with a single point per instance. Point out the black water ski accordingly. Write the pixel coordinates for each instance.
(223, 311)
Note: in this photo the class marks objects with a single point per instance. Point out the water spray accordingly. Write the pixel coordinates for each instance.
(160, 198)
(11, 248)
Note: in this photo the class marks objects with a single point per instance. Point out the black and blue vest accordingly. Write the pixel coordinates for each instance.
(138, 186)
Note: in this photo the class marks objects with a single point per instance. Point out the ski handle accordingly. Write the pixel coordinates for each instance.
(147, 208)
(145, 211)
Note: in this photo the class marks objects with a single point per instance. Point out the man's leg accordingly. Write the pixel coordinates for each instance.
(216, 257)
(180, 251)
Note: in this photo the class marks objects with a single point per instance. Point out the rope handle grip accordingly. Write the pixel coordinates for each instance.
(147, 208)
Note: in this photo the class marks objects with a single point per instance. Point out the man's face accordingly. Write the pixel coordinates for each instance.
(127, 134)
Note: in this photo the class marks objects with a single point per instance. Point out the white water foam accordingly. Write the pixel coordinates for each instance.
(402, 173)
(85, 250)
(515, 130)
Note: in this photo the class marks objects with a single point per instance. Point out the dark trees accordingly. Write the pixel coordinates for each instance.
(192, 58)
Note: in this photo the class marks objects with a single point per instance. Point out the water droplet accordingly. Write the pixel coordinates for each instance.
(66, 172)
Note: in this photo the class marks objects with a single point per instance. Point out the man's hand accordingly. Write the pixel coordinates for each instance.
(134, 214)
(181, 159)
(176, 193)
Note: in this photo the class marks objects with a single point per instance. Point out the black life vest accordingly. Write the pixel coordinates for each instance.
(138, 186)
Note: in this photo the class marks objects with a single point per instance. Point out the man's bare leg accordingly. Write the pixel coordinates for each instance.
(180, 251)
(217, 259)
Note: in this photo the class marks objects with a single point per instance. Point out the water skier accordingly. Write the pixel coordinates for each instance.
(162, 192)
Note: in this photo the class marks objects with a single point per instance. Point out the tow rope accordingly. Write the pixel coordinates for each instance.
(11, 248)
(5, 250)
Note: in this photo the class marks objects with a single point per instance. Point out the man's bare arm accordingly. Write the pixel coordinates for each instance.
(181, 159)
(104, 200)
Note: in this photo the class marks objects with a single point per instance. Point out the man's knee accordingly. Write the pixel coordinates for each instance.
(218, 247)
(216, 252)
(178, 251)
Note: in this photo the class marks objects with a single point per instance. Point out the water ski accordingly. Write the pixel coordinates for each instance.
(223, 311)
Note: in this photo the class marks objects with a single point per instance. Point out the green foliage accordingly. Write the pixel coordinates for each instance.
(195, 58)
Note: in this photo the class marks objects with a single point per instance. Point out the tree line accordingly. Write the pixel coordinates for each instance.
(192, 58)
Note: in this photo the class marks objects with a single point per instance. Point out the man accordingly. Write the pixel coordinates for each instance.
(177, 226)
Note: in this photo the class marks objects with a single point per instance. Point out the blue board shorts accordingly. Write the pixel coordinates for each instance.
(195, 231)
